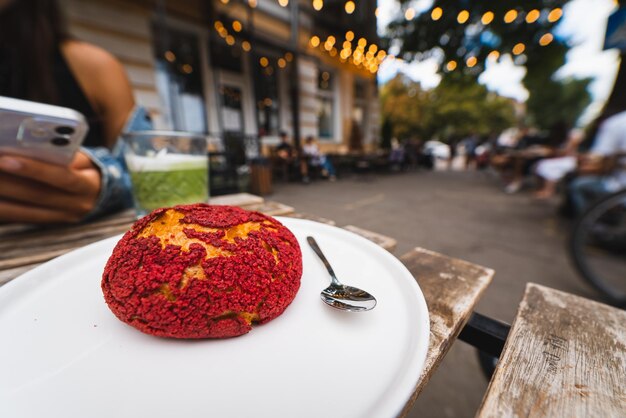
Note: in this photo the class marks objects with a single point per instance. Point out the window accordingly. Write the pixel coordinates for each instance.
(179, 79)
(325, 104)
(266, 93)
(225, 57)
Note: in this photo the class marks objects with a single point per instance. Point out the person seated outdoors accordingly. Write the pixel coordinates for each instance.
(396, 155)
(552, 170)
(603, 169)
(40, 62)
(517, 163)
(287, 157)
(312, 153)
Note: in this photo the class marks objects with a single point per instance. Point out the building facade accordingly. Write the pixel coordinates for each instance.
(245, 69)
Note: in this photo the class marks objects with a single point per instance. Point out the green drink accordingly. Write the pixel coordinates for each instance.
(168, 180)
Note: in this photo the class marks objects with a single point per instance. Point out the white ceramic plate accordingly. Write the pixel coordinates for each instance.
(64, 354)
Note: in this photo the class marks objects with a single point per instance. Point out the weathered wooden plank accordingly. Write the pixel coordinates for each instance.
(271, 208)
(384, 241)
(237, 199)
(310, 217)
(451, 287)
(565, 357)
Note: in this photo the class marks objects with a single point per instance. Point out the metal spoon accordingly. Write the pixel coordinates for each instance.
(339, 296)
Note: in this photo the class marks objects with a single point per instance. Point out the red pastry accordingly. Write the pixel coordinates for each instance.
(202, 271)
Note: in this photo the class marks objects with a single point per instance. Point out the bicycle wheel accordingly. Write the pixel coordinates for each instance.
(597, 247)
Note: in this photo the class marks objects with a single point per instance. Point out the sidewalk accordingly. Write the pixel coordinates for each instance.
(461, 214)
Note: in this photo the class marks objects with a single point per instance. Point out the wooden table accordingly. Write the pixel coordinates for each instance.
(451, 287)
(561, 349)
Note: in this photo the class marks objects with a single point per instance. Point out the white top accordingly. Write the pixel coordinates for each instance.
(611, 139)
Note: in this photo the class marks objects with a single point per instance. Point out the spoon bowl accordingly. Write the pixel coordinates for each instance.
(339, 296)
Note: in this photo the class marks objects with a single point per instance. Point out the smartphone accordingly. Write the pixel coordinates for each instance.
(40, 131)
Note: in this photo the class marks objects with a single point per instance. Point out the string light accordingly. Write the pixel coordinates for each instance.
(493, 55)
(225, 1)
(289, 57)
(237, 26)
(264, 61)
(436, 13)
(546, 39)
(471, 61)
(170, 56)
(451, 65)
(555, 15)
(462, 16)
(245, 45)
(282, 63)
(187, 69)
(318, 4)
(333, 52)
(349, 35)
(331, 40)
(487, 18)
(510, 16)
(519, 48)
(350, 6)
(362, 42)
(230, 40)
(283, 3)
(373, 48)
(218, 25)
(409, 14)
(252, 3)
(532, 16)
(315, 41)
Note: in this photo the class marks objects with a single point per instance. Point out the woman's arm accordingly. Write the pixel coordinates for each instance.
(104, 81)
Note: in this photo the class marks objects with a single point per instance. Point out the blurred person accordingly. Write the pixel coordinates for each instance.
(312, 152)
(552, 170)
(287, 157)
(396, 155)
(469, 145)
(601, 170)
(530, 149)
(40, 61)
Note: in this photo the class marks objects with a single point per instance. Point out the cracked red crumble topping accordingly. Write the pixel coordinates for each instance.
(202, 271)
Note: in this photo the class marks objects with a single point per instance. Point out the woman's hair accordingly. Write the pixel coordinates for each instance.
(31, 32)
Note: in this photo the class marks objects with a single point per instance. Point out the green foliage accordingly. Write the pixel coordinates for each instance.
(456, 108)
(423, 36)
(553, 102)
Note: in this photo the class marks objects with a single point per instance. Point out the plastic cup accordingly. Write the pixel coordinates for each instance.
(166, 169)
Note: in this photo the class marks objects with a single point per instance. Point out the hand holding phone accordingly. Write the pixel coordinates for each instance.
(43, 132)
(34, 191)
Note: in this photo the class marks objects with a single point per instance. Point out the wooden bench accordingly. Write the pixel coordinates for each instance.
(565, 356)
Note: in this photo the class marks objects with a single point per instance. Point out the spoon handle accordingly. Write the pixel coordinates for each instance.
(320, 254)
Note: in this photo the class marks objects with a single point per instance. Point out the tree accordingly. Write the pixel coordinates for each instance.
(456, 108)
(553, 105)
(465, 33)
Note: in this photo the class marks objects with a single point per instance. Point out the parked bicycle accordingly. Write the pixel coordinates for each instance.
(597, 247)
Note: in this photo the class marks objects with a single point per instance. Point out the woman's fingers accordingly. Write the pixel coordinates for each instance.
(34, 191)
(76, 181)
(28, 192)
(17, 212)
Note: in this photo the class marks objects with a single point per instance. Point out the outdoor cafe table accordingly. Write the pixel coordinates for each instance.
(451, 288)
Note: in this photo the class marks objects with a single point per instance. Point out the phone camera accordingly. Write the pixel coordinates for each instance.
(60, 141)
(64, 130)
